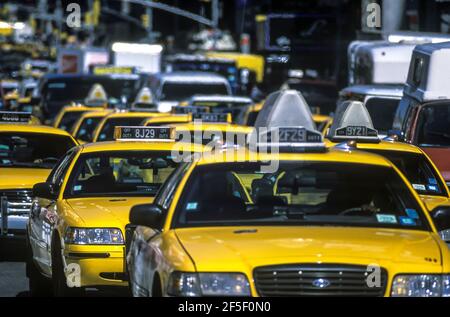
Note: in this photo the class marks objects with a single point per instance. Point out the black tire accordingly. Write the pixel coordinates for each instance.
(59, 281)
(39, 285)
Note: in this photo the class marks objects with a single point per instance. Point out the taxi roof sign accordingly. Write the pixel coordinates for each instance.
(211, 117)
(148, 133)
(353, 122)
(113, 70)
(189, 109)
(15, 117)
(286, 122)
(144, 98)
(97, 96)
(286, 108)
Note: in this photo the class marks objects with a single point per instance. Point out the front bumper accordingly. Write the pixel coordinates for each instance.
(97, 266)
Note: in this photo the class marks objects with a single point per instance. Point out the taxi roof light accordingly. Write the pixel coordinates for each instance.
(285, 122)
(97, 96)
(148, 133)
(15, 117)
(144, 99)
(353, 122)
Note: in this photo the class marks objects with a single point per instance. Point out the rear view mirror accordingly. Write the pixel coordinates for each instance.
(147, 215)
(441, 218)
(44, 190)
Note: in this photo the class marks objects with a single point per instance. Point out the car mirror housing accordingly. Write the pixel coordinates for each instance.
(147, 215)
(441, 218)
(44, 190)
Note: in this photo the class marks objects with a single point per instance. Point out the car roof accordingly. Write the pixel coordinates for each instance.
(168, 119)
(221, 98)
(139, 146)
(194, 77)
(376, 90)
(30, 128)
(133, 114)
(333, 155)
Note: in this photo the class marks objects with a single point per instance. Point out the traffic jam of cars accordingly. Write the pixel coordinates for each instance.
(147, 173)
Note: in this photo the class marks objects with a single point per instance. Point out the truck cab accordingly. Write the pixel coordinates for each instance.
(423, 115)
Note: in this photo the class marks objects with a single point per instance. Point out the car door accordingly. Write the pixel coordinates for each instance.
(43, 216)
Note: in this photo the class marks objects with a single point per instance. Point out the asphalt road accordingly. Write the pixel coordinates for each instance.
(13, 281)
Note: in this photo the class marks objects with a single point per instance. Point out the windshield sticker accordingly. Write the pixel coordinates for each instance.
(382, 218)
(192, 206)
(432, 188)
(419, 187)
(412, 213)
(406, 221)
(432, 181)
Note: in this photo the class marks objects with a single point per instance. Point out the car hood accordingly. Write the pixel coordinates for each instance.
(22, 178)
(104, 212)
(440, 156)
(236, 248)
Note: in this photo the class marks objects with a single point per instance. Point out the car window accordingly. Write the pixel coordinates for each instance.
(418, 170)
(299, 193)
(433, 128)
(58, 174)
(127, 173)
(32, 150)
(86, 130)
(382, 112)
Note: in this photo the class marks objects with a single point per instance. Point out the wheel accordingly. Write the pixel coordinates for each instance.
(39, 285)
(59, 280)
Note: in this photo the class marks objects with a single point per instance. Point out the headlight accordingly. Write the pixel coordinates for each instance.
(208, 284)
(421, 286)
(93, 236)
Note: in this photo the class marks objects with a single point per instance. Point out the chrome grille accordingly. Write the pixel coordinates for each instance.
(18, 202)
(317, 280)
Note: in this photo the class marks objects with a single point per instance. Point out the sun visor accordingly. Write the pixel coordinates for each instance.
(353, 122)
(285, 108)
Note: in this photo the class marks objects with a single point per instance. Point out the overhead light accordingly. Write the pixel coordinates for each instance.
(119, 47)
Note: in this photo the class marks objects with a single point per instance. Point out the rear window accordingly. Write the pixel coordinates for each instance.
(183, 91)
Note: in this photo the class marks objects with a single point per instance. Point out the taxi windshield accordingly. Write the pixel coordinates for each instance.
(382, 112)
(107, 130)
(32, 150)
(86, 130)
(132, 173)
(69, 119)
(433, 127)
(183, 91)
(417, 170)
(300, 193)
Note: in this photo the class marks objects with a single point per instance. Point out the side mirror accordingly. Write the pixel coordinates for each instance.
(396, 134)
(44, 190)
(147, 215)
(441, 218)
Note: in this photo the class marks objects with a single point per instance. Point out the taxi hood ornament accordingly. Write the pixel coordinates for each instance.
(353, 122)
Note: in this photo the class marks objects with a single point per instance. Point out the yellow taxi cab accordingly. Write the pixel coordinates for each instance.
(313, 221)
(105, 129)
(84, 127)
(353, 128)
(212, 129)
(68, 115)
(77, 227)
(27, 155)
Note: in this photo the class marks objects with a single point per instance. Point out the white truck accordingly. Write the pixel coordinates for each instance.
(145, 57)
